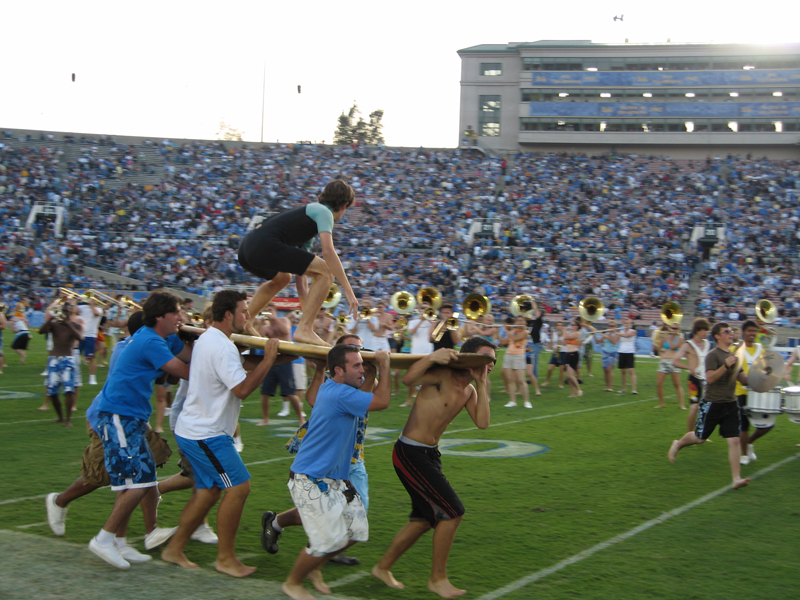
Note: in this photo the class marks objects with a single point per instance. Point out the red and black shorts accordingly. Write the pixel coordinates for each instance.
(420, 471)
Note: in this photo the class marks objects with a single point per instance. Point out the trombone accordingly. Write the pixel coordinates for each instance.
(450, 324)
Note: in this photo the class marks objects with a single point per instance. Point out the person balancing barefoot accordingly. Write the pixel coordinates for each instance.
(719, 407)
(435, 505)
(218, 382)
(279, 246)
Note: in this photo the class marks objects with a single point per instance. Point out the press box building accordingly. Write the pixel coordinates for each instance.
(689, 100)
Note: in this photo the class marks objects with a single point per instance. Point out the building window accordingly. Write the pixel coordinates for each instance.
(491, 69)
(489, 116)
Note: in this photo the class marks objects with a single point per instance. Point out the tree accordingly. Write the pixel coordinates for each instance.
(353, 129)
(228, 133)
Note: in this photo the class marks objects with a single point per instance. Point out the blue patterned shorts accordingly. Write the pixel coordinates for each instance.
(60, 372)
(128, 458)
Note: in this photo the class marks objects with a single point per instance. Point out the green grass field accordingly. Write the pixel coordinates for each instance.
(560, 503)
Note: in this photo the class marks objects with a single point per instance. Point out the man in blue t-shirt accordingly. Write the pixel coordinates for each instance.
(123, 413)
(331, 510)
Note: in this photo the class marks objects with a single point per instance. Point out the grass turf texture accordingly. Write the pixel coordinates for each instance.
(605, 473)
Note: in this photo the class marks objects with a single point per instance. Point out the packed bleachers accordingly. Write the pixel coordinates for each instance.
(616, 227)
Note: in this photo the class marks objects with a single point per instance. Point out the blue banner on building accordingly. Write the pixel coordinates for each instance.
(779, 77)
(730, 110)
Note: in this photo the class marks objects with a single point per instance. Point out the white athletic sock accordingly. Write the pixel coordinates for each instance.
(237, 439)
(121, 541)
(285, 406)
(105, 538)
(275, 525)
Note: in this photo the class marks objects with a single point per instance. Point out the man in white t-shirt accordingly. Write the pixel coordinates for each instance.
(365, 329)
(92, 315)
(217, 384)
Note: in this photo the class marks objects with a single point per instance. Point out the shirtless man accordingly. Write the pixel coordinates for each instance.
(60, 365)
(385, 328)
(416, 460)
(694, 351)
(278, 327)
(322, 325)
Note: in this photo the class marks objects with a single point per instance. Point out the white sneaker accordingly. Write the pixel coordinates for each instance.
(56, 516)
(43, 373)
(131, 554)
(751, 452)
(528, 405)
(238, 444)
(110, 554)
(510, 405)
(92, 380)
(744, 460)
(158, 536)
(205, 534)
(283, 413)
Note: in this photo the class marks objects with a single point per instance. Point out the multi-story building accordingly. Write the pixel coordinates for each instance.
(674, 99)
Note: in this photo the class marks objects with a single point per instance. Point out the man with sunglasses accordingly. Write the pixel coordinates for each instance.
(719, 406)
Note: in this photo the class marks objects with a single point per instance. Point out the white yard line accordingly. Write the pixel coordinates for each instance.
(31, 525)
(348, 579)
(13, 500)
(534, 577)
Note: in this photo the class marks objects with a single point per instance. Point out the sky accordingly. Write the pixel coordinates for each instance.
(174, 69)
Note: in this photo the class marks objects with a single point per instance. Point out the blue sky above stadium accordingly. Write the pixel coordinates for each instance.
(176, 69)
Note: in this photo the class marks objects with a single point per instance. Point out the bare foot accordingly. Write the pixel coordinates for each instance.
(561, 387)
(43, 407)
(673, 451)
(659, 406)
(250, 330)
(319, 583)
(177, 558)
(445, 589)
(68, 424)
(740, 483)
(572, 396)
(580, 393)
(234, 568)
(297, 592)
(261, 423)
(683, 408)
(159, 430)
(309, 337)
(387, 577)
(74, 408)
(405, 405)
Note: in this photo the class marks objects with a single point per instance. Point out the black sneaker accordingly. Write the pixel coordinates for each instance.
(269, 537)
(341, 559)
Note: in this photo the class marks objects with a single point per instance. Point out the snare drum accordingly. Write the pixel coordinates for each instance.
(765, 402)
(791, 399)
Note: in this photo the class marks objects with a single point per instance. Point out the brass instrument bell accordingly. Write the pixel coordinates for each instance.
(476, 305)
(591, 309)
(671, 313)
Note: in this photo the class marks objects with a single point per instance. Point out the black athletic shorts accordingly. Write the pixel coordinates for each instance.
(420, 471)
(697, 388)
(725, 414)
(266, 257)
(572, 360)
(21, 342)
(625, 360)
(279, 374)
(556, 359)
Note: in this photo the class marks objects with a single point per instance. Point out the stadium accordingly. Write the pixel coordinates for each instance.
(635, 174)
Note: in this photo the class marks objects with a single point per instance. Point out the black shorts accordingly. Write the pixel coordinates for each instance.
(556, 359)
(420, 471)
(21, 342)
(265, 257)
(697, 388)
(572, 360)
(625, 360)
(279, 374)
(725, 414)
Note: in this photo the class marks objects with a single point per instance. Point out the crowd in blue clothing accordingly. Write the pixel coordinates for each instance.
(617, 227)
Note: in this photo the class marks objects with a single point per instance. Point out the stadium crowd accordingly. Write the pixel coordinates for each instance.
(617, 227)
